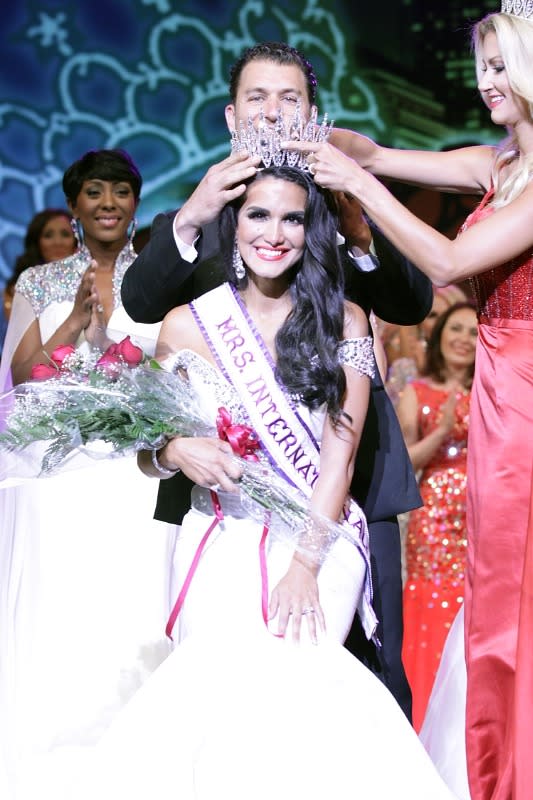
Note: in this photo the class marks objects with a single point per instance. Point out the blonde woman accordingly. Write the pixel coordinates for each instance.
(493, 250)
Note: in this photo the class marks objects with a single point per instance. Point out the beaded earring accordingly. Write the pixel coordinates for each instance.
(238, 264)
(77, 230)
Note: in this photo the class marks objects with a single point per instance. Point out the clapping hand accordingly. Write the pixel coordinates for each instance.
(86, 297)
(447, 411)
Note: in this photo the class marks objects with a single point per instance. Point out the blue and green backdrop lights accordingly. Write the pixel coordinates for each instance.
(151, 76)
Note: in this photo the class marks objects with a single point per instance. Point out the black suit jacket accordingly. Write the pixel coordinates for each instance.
(159, 279)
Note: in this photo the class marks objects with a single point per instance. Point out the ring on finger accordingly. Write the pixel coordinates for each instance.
(215, 487)
(99, 308)
(308, 610)
(312, 168)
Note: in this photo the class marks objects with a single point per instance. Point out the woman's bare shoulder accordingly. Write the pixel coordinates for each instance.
(355, 321)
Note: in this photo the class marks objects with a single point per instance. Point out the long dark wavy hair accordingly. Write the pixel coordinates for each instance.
(435, 366)
(306, 343)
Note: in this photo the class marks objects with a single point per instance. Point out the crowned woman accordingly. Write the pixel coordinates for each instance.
(259, 698)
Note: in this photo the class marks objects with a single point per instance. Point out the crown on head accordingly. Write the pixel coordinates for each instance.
(519, 8)
(265, 140)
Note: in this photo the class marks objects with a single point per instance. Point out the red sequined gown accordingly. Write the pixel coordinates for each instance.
(435, 546)
(499, 587)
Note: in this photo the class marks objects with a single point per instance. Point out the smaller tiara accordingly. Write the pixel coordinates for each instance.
(518, 8)
(265, 140)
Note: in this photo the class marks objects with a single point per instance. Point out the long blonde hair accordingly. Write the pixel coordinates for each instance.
(515, 40)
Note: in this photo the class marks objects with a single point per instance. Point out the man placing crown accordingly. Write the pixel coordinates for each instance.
(181, 262)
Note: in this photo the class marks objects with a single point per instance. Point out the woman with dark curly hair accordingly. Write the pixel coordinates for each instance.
(434, 415)
(280, 359)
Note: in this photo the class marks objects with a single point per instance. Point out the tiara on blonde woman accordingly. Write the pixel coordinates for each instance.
(265, 140)
(518, 8)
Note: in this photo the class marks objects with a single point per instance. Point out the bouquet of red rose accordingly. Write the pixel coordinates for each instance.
(119, 402)
(108, 403)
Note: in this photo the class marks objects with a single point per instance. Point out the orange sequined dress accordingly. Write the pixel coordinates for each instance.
(435, 546)
(499, 586)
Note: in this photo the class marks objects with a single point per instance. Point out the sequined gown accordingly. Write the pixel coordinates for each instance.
(84, 568)
(499, 587)
(236, 712)
(435, 547)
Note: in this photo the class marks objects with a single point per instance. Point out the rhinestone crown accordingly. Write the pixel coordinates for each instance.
(265, 140)
(519, 8)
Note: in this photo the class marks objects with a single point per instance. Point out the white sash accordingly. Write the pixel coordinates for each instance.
(285, 438)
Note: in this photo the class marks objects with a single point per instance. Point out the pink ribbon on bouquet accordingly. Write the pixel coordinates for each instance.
(244, 443)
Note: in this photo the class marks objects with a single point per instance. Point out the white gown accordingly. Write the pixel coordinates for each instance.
(84, 594)
(235, 712)
(443, 731)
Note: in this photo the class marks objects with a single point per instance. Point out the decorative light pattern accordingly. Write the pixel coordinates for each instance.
(164, 107)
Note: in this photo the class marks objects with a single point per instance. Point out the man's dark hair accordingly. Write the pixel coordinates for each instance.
(279, 53)
(104, 165)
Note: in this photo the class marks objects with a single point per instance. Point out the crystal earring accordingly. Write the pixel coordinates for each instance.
(238, 264)
(133, 230)
(77, 230)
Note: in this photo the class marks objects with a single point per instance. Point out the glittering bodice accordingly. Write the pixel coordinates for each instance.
(452, 452)
(58, 281)
(214, 390)
(436, 535)
(505, 291)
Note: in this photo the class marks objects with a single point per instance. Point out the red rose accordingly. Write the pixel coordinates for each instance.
(110, 364)
(129, 352)
(111, 350)
(41, 372)
(61, 352)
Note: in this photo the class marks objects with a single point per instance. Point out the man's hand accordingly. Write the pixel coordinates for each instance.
(221, 184)
(352, 224)
(207, 461)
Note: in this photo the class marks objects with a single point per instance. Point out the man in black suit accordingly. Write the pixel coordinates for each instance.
(181, 261)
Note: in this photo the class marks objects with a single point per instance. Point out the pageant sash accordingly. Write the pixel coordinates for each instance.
(286, 440)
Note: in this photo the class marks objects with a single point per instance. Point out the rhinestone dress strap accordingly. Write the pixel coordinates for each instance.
(358, 353)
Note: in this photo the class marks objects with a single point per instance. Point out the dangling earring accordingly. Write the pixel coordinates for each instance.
(77, 230)
(133, 231)
(238, 264)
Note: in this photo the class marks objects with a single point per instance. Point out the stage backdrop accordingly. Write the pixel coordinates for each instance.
(151, 76)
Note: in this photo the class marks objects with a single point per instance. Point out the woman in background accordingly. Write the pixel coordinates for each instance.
(405, 346)
(49, 237)
(434, 415)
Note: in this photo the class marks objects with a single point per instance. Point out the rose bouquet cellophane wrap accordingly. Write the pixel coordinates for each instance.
(111, 404)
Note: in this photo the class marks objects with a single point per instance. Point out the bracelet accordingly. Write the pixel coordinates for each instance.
(160, 468)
